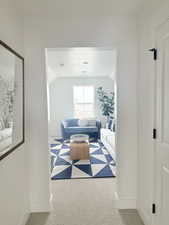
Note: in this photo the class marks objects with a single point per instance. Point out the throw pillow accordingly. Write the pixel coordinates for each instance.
(65, 124)
(113, 126)
(91, 122)
(83, 122)
(110, 123)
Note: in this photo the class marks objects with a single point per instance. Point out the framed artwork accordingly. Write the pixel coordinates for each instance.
(11, 100)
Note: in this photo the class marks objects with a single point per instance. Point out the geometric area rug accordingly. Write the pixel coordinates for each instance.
(100, 165)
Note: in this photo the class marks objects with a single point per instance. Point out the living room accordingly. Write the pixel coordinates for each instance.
(81, 108)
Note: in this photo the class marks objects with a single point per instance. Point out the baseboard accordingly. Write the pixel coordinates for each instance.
(145, 219)
(51, 199)
(40, 210)
(54, 136)
(24, 219)
(36, 208)
(124, 203)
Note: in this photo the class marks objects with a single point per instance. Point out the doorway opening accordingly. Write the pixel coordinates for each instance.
(81, 84)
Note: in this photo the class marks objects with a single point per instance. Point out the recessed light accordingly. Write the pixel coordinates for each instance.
(85, 62)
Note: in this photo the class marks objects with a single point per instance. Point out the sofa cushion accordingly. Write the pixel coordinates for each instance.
(81, 129)
(108, 136)
(106, 131)
(91, 122)
(71, 122)
(83, 122)
(110, 139)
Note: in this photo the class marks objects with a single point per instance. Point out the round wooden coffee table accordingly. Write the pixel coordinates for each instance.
(79, 147)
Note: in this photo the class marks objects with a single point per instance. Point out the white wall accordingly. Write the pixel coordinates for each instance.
(153, 15)
(43, 30)
(126, 136)
(46, 28)
(61, 99)
(14, 199)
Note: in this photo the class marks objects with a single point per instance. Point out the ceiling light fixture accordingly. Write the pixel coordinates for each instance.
(85, 62)
(62, 64)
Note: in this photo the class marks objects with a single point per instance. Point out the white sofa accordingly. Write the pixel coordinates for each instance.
(108, 140)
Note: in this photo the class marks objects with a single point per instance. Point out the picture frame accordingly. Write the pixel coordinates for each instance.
(12, 100)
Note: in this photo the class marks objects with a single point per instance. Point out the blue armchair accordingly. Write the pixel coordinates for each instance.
(70, 127)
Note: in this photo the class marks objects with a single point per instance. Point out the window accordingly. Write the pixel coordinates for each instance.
(83, 101)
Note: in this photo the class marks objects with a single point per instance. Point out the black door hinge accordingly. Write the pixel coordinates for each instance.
(154, 50)
(153, 208)
(154, 133)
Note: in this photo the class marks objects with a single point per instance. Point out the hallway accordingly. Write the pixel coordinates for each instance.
(84, 202)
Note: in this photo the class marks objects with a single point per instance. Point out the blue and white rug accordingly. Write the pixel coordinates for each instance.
(100, 164)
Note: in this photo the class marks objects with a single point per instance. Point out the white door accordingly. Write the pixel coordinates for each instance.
(162, 125)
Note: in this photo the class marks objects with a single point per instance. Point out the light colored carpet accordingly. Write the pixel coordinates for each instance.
(85, 202)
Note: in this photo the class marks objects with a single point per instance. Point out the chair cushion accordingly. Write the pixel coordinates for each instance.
(81, 129)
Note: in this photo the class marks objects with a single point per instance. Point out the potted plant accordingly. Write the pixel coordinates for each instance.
(106, 103)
